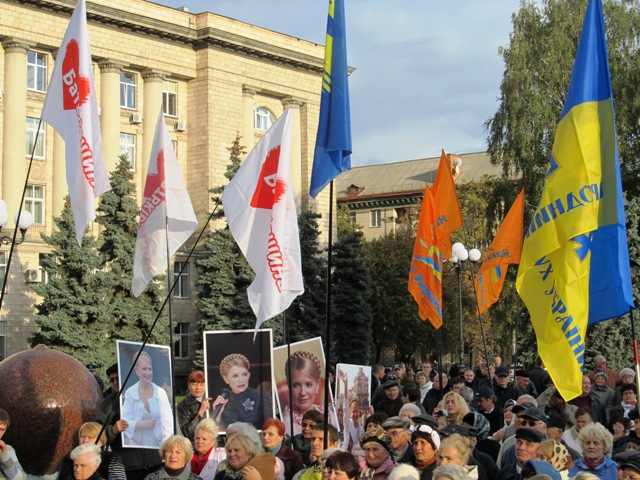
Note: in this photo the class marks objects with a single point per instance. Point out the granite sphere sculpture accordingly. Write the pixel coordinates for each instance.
(48, 395)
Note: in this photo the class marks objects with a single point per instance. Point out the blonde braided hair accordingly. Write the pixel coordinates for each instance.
(306, 362)
(233, 360)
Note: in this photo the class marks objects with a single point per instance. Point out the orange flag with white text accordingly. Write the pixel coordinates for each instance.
(447, 207)
(506, 248)
(425, 275)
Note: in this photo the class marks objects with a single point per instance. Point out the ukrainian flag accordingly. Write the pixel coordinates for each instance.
(574, 269)
(333, 143)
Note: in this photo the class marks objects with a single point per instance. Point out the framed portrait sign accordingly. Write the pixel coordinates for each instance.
(239, 376)
(146, 401)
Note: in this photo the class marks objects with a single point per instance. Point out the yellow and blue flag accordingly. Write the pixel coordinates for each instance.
(574, 269)
(333, 142)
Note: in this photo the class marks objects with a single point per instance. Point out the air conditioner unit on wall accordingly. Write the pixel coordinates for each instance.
(180, 126)
(34, 276)
(135, 118)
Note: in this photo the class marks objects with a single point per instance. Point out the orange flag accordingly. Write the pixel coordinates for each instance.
(447, 207)
(425, 276)
(506, 248)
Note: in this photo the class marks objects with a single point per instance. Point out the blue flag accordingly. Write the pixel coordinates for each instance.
(333, 143)
(574, 269)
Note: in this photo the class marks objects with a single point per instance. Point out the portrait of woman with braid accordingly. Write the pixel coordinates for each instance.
(306, 372)
(239, 402)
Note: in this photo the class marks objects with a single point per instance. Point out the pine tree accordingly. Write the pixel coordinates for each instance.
(223, 273)
(351, 302)
(131, 318)
(70, 312)
(307, 313)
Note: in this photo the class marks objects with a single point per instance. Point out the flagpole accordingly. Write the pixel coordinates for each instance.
(171, 345)
(328, 316)
(15, 230)
(484, 338)
(635, 348)
(155, 321)
(439, 347)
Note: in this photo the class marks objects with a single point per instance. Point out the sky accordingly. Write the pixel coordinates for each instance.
(427, 73)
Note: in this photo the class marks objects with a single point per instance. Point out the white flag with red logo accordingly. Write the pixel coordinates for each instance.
(71, 108)
(261, 213)
(166, 213)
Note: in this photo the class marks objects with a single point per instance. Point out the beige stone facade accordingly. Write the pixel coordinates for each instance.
(209, 72)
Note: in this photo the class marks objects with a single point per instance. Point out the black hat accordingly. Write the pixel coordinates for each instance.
(633, 437)
(535, 413)
(425, 419)
(529, 434)
(556, 421)
(632, 462)
(392, 381)
(397, 366)
(522, 407)
(522, 373)
(502, 371)
(462, 430)
(91, 367)
(485, 391)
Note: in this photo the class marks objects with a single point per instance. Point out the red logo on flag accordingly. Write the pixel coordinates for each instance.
(76, 88)
(270, 189)
(154, 191)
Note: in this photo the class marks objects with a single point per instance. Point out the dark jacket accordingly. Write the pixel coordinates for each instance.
(110, 467)
(390, 407)
(292, 461)
(188, 417)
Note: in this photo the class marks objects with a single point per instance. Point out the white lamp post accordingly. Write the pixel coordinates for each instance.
(460, 254)
(26, 220)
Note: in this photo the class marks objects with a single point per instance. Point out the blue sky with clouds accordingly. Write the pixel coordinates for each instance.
(427, 73)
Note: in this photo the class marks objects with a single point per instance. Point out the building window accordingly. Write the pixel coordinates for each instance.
(36, 71)
(263, 119)
(170, 98)
(128, 148)
(34, 203)
(181, 340)
(376, 216)
(128, 90)
(182, 285)
(3, 340)
(352, 217)
(32, 132)
(174, 144)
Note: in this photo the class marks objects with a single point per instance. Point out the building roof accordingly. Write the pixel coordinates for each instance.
(410, 176)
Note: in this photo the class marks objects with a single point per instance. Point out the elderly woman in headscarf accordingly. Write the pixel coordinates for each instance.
(378, 451)
(555, 453)
(425, 442)
(482, 428)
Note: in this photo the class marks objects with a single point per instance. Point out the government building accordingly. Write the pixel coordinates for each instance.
(212, 76)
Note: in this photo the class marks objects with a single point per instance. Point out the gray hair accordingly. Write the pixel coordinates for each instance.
(246, 429)
(597, 431)
(450, 472)
(467, 394)
(404, 472)
(90, 449)
(527, 398)
(598, 358)
(410, 407)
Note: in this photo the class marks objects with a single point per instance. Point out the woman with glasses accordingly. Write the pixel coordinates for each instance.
(301, 443)
(425, 441)
(193, 408)
(596, 443)
(342, 466)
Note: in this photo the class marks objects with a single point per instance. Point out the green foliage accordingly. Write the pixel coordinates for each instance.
(86, 304)
(132, 318)
(307, 313)
(344, 224)
(538, 64)
(351, 302)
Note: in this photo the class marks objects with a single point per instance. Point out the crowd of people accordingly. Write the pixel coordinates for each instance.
(484, 423)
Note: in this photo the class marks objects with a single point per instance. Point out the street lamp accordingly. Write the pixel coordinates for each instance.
(460, 254)
(26, 220)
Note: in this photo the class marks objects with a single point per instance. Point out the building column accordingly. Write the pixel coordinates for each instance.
(152, 103)
(296, 150)
(14, 121)
(248, 117)
(110, 110)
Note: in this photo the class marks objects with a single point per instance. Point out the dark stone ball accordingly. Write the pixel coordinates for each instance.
(48, 396)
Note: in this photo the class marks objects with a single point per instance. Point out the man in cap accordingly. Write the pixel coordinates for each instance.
(600, 365)
(630, 467)
(526, 448)
(94, 371)
(398, 430)
(392, 404)
(488, 408)
(527, 416)
(522, 384)
(502, 387)
(400, 369)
